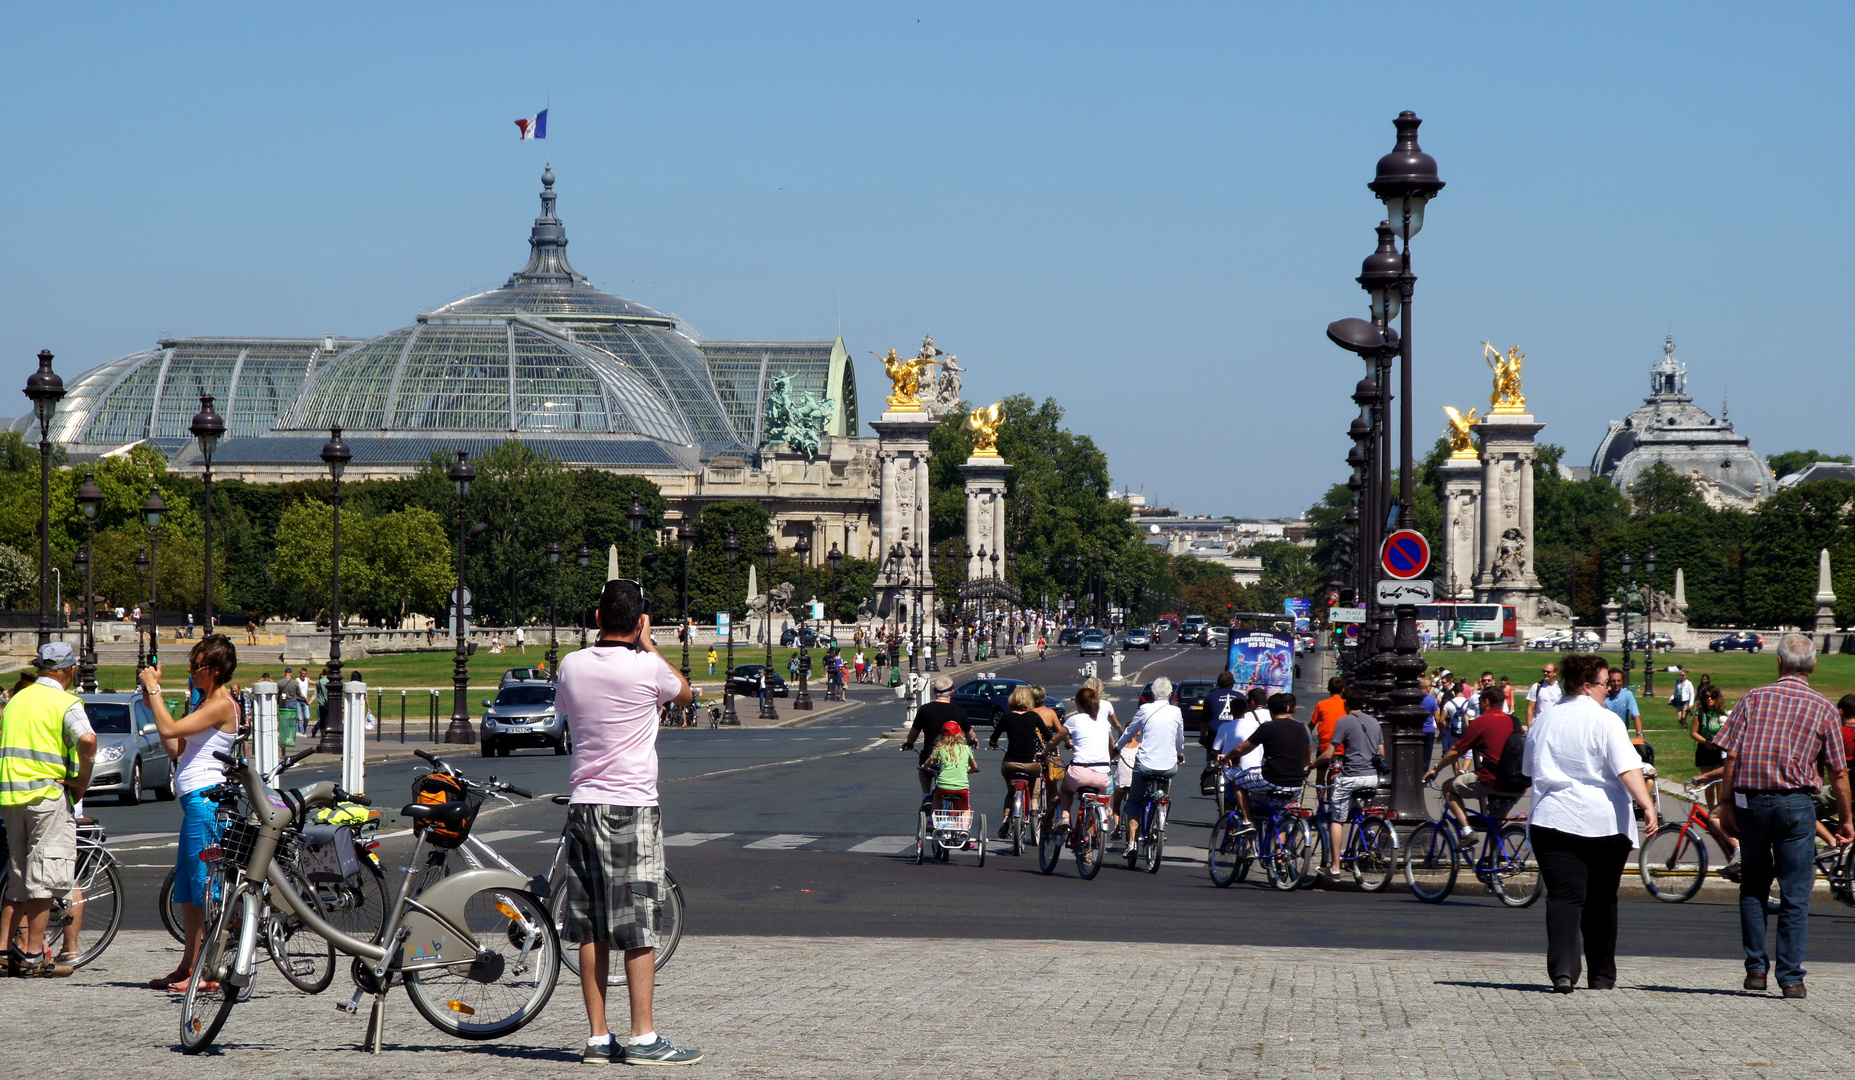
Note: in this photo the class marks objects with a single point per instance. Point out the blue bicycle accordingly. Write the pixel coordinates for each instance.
(1151, 817)
(1505, 866)
(1278, 839)
(1371, 849)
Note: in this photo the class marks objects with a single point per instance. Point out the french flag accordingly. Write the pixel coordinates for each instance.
(533, 127)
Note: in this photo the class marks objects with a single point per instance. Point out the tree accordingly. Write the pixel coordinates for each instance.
(405, 559)
(1790, 461)
(19, 576)
(303, 559)
(1659, 489)
(1287, 571)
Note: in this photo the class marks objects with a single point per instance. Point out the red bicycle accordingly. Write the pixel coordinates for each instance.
(1673, 861)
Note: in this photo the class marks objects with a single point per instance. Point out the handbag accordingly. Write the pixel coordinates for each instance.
(1053, 770)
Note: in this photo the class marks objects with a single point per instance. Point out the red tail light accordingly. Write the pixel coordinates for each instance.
(211, 854)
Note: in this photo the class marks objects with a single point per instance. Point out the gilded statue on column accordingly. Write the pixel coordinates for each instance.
(1506, 397)
(1461, 445)
(905, 376)
(984, 423)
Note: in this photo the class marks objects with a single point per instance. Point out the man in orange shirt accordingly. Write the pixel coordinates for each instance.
(1327, 714)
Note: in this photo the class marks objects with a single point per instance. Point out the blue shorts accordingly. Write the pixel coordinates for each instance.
(199, 829)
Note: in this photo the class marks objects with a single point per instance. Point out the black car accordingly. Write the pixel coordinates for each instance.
(1069, 636)
(986, 701)
(744, 681)
(791, 636)
(1188, 695)
(1744, 639)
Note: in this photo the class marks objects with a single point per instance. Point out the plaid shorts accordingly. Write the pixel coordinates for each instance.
(615, 876)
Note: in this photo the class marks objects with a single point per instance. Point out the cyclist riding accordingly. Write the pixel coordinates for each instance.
(1358, 744)
(1025, 732)
(1087, 733)
(1159, 728)
(1221, 705)
(1287, 750)
(1489, 737)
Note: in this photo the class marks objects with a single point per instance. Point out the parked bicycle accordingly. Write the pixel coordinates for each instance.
(1277, 839)
(1505, 866)
(1371, 846)
(83, 923)
(476, 951)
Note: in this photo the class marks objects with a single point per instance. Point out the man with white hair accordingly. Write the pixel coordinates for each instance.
(1776, 741)
(1158, 729)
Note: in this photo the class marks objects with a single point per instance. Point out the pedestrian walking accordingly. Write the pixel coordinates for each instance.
(712, 658)
(47, 748)
(1584, 774)
(1683, 697)
(251, 631)
(521, 639)
(615, 867)
(1776, 741)
(321, 703)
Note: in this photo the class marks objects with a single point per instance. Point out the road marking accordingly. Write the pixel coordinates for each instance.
(505, 834)
(691, 839)
(781, 842)
(886, 845)
(116, 841)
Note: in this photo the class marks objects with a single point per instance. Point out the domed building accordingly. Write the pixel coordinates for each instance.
(1669, 429)
(592, 379)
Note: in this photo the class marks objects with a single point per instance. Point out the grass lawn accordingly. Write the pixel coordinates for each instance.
(1734, 673)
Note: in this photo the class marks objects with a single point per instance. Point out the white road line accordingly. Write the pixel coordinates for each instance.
(871, 745)
(116, 841)
(505, 834)
(780, 842)
(886, 845)
(691, 839)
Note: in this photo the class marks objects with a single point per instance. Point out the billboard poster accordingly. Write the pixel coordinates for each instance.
(1299, 609)
(1264, 658)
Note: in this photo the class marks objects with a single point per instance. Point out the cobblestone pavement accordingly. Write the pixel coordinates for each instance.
(881, 1007)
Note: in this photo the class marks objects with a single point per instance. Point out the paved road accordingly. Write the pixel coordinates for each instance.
(799, 832)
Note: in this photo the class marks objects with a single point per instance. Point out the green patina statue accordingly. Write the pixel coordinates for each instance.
(797, 420)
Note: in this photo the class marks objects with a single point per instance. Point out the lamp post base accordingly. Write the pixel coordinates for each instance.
(804, 700)
(728, 715)
(460, 731)
(767, 711)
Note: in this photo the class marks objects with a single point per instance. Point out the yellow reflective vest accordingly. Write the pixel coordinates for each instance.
(34, 757)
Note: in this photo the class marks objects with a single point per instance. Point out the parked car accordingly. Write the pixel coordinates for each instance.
(1188, 695)
(523, 714)
(130, 759)
(1137, 637)
(1094, 643)
(792, 635)
(523, 674)
(1069, 636)
(1640, 642)
(744, 681)
(1744, 639)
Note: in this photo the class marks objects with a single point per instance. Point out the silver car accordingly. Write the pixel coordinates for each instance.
(523, 714)
(1093, 644)
(130, 759)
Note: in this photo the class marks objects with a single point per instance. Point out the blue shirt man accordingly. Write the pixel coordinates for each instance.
(1623, 703)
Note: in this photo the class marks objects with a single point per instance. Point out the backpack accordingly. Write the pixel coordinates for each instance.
(441, 789)
(1456, 715)
(1508, 774)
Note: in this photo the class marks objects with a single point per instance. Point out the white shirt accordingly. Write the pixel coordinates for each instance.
(1575, 752)
(1237, 732)
(1684, 693)
(1544, 695)
(1161, 730)
(1089, 734)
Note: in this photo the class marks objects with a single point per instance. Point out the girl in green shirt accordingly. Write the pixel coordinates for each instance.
(950, 763)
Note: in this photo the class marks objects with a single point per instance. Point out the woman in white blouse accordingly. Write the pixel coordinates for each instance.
(1584, 773)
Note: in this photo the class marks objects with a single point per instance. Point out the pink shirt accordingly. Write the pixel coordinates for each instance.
(610, 695)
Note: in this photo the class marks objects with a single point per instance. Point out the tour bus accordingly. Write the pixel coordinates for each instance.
(1467, 624)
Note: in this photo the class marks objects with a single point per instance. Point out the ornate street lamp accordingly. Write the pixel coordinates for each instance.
(45, 389)
(89, 500)
(153, 510)
(966, 576)
(461, 474)
(834, 557)
(336, 455)
(996, 617)
(732, 545)
(914, 652)
(635, 517)
(584, 556)
(767, 711)
(553, 612)
(1648, 624)
(209, 429)
(803, 546)
(141, 573)
(1629, 595)
(686, 535)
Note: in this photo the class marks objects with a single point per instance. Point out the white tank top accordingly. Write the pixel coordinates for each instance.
(198, 767)
(1089, 734)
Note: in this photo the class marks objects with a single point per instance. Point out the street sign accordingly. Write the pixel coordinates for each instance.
(467, 597)
(1346, 614)
(722, 621)
(1352, 632)
(1406, 554)
(1406, 592)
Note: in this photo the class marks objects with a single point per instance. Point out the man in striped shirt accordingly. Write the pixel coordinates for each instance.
(1776, 741)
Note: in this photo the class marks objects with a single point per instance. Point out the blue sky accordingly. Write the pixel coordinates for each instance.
(1149, 212)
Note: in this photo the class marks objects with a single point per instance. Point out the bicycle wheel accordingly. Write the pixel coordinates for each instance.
(509, 982)
(1152, 850)
(304, 958)
(1840, 872)
(170, 910)
(356, 905)
(1290, 853)
(1318, 851)
(1050, 848)
(87, 921)
(1431, 862)
(1673, 863)
(210, 998)
(1017, 827)
(980, 834)
(669, 929)
(1226, 851)
(1376, 857)
(1517, 878)
(1090, 847)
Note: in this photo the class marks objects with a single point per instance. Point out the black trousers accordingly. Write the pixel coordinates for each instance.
(1582, 874)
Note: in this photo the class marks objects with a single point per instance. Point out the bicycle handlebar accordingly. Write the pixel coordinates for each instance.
(296, 758)
(433, 758)
(519, 791)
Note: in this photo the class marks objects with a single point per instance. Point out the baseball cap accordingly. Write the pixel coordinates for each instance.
(951, 727)
(55, 656)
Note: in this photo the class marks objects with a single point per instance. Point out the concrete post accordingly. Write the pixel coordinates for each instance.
(354, 737)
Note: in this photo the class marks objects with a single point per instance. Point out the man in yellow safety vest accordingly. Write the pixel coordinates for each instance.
(46, 750)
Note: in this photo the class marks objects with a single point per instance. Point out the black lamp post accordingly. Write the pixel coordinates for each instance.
(209, 428)
(141, 624)
(635, 517)
(1648, 624)
(803, 547)
(553, 613)
(153, 510)
(45, 389)
(732, 545)
(336, 455)
(585, 557)
(1629, 597)
(966, 576)
(461, 474)
(686, 535)
(914, 652)
(996, 617)
(1011, 631)
(834, 557)
(89, 500)
(767, 711)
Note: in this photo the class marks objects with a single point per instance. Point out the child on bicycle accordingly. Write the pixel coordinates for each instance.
(949, 764)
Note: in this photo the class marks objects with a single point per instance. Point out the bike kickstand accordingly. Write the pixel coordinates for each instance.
(376, 1024)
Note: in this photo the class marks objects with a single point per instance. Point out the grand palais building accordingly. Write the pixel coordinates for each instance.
(592, 379)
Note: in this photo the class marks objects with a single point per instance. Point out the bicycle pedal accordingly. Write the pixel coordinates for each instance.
(352, 1006)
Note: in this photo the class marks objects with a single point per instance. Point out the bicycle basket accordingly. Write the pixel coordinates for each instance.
(235, 844)
(960, 821)
(439, 789)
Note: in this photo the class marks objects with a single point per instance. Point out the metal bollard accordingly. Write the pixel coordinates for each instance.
(267, 751)
(402, 717)
(354, 737)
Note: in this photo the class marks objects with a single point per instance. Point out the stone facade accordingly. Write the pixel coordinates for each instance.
(985, 512)
(1461, 565)
(902, 458)
(1505, 573)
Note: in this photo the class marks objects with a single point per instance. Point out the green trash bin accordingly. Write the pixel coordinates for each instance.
(895, 676)
(286, 727)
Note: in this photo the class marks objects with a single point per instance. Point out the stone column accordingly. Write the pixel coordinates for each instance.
(985, 510)
(903, 448)
(1825, 599)
(1461, 527)
(1506, 574)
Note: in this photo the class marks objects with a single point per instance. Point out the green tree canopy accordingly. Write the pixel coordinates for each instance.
(1790, 461)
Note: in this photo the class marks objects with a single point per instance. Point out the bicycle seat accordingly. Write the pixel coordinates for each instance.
(561, 800)
(86, 822)
(448, 815)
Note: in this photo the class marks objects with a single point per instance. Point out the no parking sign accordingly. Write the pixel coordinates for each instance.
(1405, 555)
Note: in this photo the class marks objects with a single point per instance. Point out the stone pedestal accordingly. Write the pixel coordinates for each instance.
(1825, 598)
(985, 510)
(902, 460)
(1461, 538)
(1613, 625)
(1505, 572)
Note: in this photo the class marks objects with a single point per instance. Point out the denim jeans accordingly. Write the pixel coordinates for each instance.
(1777, 836)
